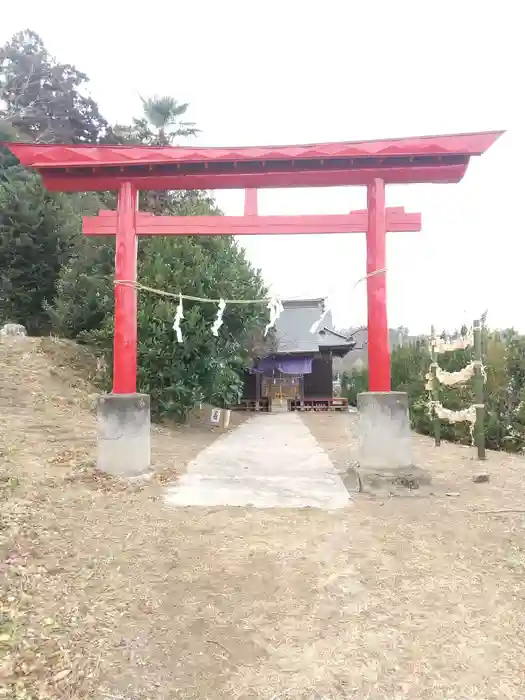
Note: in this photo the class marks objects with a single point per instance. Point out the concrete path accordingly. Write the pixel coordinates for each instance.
(271, 461)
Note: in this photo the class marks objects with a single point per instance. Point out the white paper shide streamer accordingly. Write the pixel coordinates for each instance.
(276, 308)
(179, 315)
(218, 319)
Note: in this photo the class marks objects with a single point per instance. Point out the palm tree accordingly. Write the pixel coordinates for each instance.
(161, 123)
(164, 114)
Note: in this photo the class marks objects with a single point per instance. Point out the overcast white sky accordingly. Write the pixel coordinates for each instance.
(292, 71)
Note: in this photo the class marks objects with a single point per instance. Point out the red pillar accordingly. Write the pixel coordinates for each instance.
(378, 349)
(125, 337)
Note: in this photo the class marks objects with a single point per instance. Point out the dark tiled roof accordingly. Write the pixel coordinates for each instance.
(293, 328)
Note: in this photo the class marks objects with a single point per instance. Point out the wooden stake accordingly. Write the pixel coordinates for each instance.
(479, 392)
(436, 423)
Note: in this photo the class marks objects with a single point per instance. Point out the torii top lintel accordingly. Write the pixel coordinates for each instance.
(77, 168)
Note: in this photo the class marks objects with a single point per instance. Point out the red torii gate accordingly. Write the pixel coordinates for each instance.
(438, 159)
(147, 224)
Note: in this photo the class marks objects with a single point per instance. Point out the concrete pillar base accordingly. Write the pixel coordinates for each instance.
(385, 437)
(124, 434)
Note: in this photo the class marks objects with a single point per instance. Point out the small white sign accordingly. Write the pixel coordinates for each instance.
(215, 416)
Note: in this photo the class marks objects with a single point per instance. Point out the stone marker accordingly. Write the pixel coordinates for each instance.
(220, 417)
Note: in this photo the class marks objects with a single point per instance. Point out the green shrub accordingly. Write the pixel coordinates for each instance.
(177, 376)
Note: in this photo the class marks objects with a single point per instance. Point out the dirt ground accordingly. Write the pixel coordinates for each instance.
(109, 594)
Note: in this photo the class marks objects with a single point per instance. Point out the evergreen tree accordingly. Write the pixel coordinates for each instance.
(36, 233)
(42, 99)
